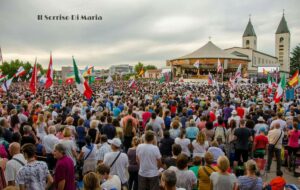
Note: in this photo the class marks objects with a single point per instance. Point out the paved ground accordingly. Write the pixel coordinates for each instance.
(289, 177)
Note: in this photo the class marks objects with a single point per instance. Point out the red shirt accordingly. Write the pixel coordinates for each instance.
(212, 116)
(173, 109)
(277, 183)
(261, 142)
(64, 170)
(240, 112)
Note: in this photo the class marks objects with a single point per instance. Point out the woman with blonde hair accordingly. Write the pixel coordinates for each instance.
(205, 171)
(91, 181)
(69, 144)
(200, 145)
(41, 126)
(250, 181)
(93, 131)
(133, 167)
(222, 179)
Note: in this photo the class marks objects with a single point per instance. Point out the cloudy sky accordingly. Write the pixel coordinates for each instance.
(149, 31)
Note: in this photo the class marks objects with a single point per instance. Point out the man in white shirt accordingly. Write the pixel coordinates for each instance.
(275, 137)
(49, 141)
(13, 165)
(108, 181)
(279, 120)
(117, 161)
(103, 148)
(149, 158)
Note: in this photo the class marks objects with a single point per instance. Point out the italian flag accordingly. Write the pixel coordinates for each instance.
(279, 92)
(81, 84)
(269, 84)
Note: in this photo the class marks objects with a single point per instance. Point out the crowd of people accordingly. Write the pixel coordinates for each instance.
(155, 136)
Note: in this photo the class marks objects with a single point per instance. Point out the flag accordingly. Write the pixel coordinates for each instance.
(87, 71)
(197, 64)
(5, 86)
(274, 84)
(28, 75)
(231, 83)
(69, 80)
(109, 79)
(3, 77)
(210, 79)
(279, 92)
(142, 71)
(20, 72)
(269, 85)
(49, 76)
(1, 58)
(220, 68)
(81, 84)
(33, 80)
(294, 80)
(132, 84)
(265, 72)
(162, 78)
(238, 73)
(43, 80)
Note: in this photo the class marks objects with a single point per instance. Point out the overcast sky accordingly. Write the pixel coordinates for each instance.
(149, 31)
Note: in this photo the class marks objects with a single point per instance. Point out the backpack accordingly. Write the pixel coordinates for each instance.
(220, 133)
(3, 152)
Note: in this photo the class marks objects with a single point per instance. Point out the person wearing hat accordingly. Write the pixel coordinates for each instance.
(261, 124)
(260, 144)
(235, 117)
(117, 161)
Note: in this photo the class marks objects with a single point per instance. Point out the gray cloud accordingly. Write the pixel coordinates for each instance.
(150, 31)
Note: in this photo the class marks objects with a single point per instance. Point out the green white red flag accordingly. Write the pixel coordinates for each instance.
(81, 84)
(280, 89)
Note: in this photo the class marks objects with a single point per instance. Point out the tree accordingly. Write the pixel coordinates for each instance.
(10, 68)
(138, 67)
(295, 59)
(149, 67)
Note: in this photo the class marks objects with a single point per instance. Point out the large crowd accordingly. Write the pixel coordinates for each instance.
(154, 136)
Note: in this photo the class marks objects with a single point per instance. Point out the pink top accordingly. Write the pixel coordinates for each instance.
(294, 138)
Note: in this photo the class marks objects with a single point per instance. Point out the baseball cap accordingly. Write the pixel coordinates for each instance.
(115, 141)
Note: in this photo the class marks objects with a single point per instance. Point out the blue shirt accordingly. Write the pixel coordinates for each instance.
(246, 183)
(192, 132)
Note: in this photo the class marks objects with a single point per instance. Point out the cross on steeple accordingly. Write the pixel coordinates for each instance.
(209, 38)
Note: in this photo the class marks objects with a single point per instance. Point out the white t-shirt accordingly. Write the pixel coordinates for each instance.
(199, 150)
(148, 155)
(92, 155)
(13, 166)
(120, 166)
(184, 143)
(113, 183)
(49, 142)
(281, 122)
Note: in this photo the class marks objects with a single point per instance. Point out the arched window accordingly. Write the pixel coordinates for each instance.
(281, 39)
(247, 42)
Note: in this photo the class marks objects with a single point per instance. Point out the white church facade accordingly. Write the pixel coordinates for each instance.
(257, 58)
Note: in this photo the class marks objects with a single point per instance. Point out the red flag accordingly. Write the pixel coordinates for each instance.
(88, 91)
(33, 79)
(49, 80)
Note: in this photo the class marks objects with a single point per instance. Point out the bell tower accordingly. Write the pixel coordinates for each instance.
(282, 46)
(249, 37)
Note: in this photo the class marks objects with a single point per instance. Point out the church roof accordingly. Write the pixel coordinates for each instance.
(249, 31)
(282, 27)
(210, 50)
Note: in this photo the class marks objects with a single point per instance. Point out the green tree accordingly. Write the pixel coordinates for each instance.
(138, 67)
(295, 59)
(10, 68)
(150, 67)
